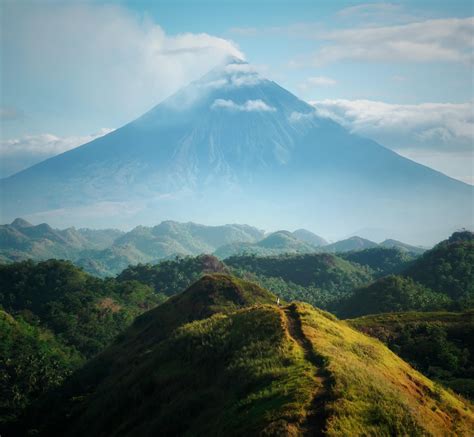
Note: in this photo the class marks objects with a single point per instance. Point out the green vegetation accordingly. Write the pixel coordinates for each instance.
(391, 294)
(448, 268)
(84, 312)
(439, 344)
(382, 261)
(348, 245)
(107, 252)
(221, 359)
(21, 240)
(173, 276)
(59, 316)
(32, 362)
(319, 279)
(277, 243)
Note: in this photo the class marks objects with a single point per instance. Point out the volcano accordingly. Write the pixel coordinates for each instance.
(234, 146)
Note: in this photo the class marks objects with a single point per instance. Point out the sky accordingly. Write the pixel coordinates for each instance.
(399, 72)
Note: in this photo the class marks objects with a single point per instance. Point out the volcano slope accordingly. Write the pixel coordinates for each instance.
(237, 139)
(222, 359)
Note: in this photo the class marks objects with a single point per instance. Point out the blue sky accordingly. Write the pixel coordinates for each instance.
(399, 72)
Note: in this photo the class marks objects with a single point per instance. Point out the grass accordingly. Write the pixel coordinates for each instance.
(375, 392)
(222, 359)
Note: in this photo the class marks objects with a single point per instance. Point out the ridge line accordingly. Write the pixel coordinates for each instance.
(317, 415)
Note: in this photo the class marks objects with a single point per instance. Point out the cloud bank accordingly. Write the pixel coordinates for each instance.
(438, 126)
(439, 135)
(450, 40)
(20, 153)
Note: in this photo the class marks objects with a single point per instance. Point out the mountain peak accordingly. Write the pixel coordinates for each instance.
(233, 138)
(20, 223)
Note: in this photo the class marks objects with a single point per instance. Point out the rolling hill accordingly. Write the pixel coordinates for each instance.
(21, 240)
(448, 268)
(277, 243)
(223, 359)
(107, 252)
(349, 244)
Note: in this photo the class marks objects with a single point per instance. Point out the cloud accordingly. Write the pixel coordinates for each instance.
(103, 58)
(316, 81)
(447, 127)
(20, 153)
(248, 106)
(370, 13)
(450, 40)
(438, 135)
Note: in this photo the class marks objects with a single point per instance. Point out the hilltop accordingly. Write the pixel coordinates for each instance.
(222, 359)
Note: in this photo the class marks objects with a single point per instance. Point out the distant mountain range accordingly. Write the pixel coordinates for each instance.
(236, 147)
(109, 251)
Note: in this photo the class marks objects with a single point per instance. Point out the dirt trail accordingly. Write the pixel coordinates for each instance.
(315, 423)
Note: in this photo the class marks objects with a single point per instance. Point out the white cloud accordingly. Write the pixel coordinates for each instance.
(316, 81)
(450, 40)
(369, 13)
(434, 126)
(46, 144)
(240, 68)
(19, 153)
(368, 9)
(249, 106)
(439, 135)
(106, 58)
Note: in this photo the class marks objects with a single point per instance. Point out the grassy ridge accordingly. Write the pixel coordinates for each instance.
(221, 359)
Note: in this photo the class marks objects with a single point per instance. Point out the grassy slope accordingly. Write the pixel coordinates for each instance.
(249, 367)
(440, 344)
(377, 393)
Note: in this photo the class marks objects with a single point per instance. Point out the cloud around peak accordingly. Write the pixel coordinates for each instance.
(248, 106)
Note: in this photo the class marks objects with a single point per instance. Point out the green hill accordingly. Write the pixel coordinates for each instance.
(32, 362)
(222, 359)
(309, 237)
(319, 279)
(408, 248)
(21, 240)
(280, 242)
(440, 344)
(391, 294)
(107, 252)
(382, 261)
(349, 244)
(82, 311)
(448, 268)
(173, 276)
